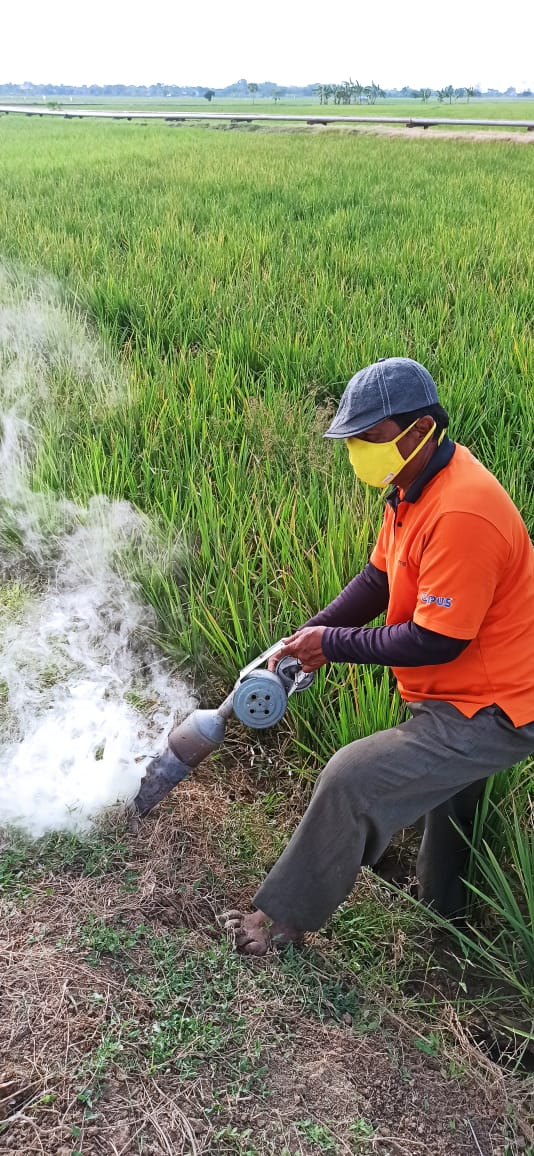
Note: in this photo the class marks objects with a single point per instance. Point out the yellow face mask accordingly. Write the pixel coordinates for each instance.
(379, 463)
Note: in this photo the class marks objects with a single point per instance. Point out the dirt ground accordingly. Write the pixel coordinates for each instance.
(474, 135)
(128, 1026)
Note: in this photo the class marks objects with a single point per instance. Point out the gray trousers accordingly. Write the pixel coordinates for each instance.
(434, 765)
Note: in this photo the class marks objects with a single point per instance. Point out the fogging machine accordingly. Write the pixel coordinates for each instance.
(259, 700)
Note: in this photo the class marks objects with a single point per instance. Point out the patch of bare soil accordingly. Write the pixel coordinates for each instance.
(92, 970)
(382, 1090)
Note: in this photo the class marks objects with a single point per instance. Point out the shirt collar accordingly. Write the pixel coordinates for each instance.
(440, 458)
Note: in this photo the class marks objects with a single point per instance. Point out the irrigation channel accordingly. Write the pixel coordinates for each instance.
(247, 118)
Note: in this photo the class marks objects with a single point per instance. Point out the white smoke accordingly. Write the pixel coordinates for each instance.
(85, 698)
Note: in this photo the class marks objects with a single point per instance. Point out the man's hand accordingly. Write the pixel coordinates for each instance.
(304, 645)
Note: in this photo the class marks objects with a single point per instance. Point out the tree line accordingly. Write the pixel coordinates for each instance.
(346, 92)
(352, 92)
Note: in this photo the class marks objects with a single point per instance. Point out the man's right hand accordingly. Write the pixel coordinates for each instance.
(305, 645)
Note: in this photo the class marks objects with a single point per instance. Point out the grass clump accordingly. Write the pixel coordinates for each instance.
(13, 598)
(24, 860)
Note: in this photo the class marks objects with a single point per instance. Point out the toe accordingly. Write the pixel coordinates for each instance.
(252, 942)
(232, 919)
(255, 947)
(233, 924)
(243, 936)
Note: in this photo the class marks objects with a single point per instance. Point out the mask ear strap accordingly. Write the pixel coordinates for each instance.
(420, 445)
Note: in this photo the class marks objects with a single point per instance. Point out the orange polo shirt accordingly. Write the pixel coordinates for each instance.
(460, 562)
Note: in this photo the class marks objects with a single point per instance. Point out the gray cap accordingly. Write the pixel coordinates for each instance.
(389, 386)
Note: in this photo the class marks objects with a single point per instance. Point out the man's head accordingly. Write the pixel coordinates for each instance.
(382, 400)
(386, 389)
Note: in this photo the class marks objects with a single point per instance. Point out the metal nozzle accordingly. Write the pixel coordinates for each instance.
(201, 733)
(162, 775)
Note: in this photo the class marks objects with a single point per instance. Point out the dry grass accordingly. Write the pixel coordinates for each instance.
(82, 989)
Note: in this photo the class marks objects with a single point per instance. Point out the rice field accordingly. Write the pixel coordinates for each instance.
(239, 279)
(485, 107)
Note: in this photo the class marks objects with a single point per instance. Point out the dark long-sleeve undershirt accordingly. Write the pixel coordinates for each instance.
(402, 644)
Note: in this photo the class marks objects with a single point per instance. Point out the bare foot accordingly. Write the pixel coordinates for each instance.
(255, 934)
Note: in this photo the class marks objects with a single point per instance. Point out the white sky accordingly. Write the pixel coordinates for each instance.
(215, 42)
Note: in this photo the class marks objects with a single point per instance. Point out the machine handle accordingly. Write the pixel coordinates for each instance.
(261, 658)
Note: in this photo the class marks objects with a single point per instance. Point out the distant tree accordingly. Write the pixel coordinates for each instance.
(372, 91)
(441, 95)
(459, 93)
(357, 91)
(253, 88)
(449, 92)
(345, 92)
(209, 94)
(425, 94)
(469, 92)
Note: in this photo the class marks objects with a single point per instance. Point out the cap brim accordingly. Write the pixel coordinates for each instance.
(348, 429)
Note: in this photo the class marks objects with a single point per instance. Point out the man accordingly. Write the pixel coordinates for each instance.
(453, 567)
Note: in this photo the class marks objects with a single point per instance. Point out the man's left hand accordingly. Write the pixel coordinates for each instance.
(304, 645)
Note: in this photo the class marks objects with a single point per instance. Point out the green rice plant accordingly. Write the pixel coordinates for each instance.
(345, 704)
(510, 900)
(497, 937)
(501, 883)
(505, 797)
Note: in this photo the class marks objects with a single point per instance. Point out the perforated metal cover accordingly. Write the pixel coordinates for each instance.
(260, 700)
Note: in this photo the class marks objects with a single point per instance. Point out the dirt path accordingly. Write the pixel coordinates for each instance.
(474, 136)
